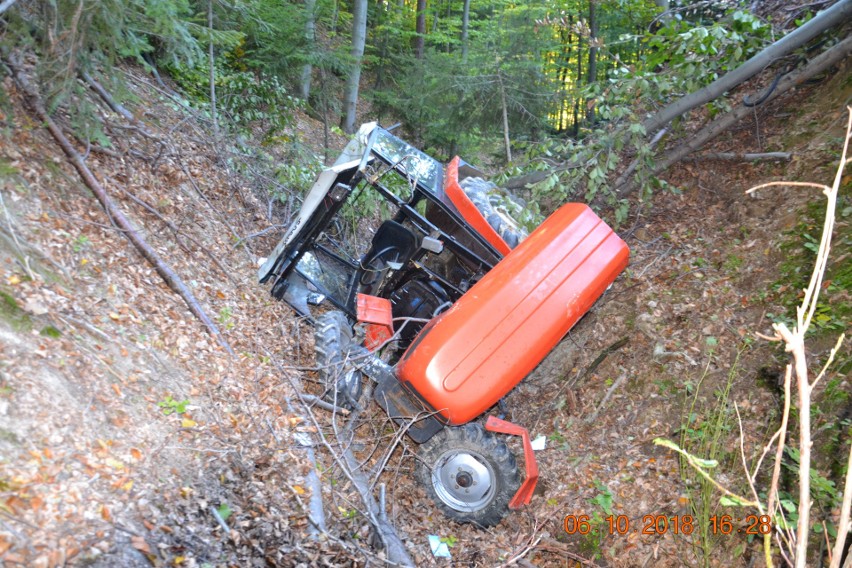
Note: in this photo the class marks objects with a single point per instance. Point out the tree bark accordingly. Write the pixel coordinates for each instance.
(465, 26)
(506, 139)
(420, 30)
(756, 157)
(844, 522)
(310, 34)
(577, 86)
(592, 75)
(359, 36)
(837, 14)
(121, 221)
(818, 65)
(212, 68)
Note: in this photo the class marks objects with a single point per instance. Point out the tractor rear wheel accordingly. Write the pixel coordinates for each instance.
(333, 342)
(469, 473)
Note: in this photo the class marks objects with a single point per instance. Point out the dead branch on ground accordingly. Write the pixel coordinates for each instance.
(177, 233)
(164, 270)
(747, 157)
(818, 65)
(341, 454)
(580, 376)
(140, 127)
(6, 5)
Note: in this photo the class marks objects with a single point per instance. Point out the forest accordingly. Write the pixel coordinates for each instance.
(158, 407)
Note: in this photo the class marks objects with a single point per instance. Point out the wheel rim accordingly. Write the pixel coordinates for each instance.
(463, 480)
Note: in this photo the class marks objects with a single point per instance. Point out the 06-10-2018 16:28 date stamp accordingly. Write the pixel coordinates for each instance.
(661, 524)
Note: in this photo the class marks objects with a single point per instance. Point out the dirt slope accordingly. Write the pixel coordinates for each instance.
(122, 423)
(128, 437)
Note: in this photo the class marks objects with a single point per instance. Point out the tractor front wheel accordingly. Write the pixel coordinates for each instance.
(333, 342)
(469, 473)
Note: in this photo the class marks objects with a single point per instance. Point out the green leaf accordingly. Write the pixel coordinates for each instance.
(709, 464)
(224, 511)
(667, 444)
(728, 501)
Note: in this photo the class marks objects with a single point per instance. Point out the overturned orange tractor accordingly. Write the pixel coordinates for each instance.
(447, 305)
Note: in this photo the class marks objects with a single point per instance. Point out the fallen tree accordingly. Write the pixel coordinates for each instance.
(654, 125)
(115, 214)
(840, 13)
(819, 64)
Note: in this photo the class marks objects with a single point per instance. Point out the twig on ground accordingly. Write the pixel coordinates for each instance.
(178, 233)
(164, 270)
(257, 234)
(551, 545)
(312, 400)
(220, 520)
(747, 157)
(589, 370)
(612, 389)
(26, 259)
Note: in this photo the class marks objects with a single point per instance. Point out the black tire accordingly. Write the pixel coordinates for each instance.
(491, 476)
(332, 343)
(487, 197)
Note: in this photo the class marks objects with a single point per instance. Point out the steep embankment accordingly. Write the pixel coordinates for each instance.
(125, 430)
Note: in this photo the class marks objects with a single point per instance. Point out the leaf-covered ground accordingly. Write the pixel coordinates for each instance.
(129, 438)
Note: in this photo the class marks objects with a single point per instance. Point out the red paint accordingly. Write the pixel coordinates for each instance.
(468, 210)
(470, 356)
(525, 491)
(376, 313)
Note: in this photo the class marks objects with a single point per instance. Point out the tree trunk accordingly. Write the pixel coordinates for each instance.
(420, 30)
(212, 68)
(115, 214)
(747, 157)
(818, 65)
(381, 18)
(577, 86)
(359, 36)
(562, 76)
(506, 139)
(592, 75)
(310, 32)
(567, 39)
(663, 17)
(837, 14)
(464, 32)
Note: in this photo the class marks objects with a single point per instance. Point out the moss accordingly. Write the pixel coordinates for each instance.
(7, 170)
(50, 331)
(12, 314)
(9, 436)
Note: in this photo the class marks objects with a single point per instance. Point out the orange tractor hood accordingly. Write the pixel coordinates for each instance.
(469, 357)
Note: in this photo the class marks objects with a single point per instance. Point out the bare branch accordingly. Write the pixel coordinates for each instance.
(830, 359)
(747, 157)
(844, 525)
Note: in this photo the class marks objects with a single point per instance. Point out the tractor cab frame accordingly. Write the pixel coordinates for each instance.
(452, 304)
